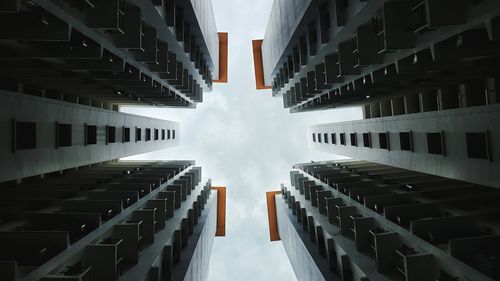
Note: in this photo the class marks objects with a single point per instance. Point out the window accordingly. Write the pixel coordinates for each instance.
(354, 139)
(138, 134)
(342, 138)
(24, 135)
(319, 137)
(156, 135)
(477, 145)
(405, 141)
(90, 134)
(314, 137)
(148, 134)
(383, 139)
(63, 135)
(325, 137)
(173, 134)
(162, 134)
(126, 134)
(435, 143)
(367, 140)
(334, 138)
(168, 134)
(110, 134)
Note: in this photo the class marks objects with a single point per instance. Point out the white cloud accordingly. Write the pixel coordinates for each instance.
(246, 140)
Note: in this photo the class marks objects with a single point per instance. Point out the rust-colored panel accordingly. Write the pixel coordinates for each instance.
(258, 65)
(221, 210)
(223, 56)
(271, 215)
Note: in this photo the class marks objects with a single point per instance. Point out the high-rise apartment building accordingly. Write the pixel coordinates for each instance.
(111, 53)
(393, 57)
(421, 201)
(70, 210)
(359, 220)
(117, 220)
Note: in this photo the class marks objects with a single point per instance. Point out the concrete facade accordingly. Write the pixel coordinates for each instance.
(325, 54)
(40, 150)
(134, 52)
(456, 143)
(368, 221)
(125, 220)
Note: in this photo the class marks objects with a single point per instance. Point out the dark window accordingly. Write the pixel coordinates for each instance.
(325, 137)
(126, 134)
(367, 140)
(477, 145)
(342, 138)
(110, 134)
(25, 135)
(319, 137)
(148, 134)
(173, 134)
(138, 134)
(64, 135)
(405, 141)
(156, 134)
(354, 139)
(383, 139)
(435, 143)
(334, 138)
(90, 134)
(168, 134)
(314, 137)
(162, 134)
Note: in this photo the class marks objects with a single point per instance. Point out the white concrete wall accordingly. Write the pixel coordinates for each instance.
(46, 158)
(454, 122)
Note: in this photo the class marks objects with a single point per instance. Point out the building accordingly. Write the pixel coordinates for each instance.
(70, 210)
(111, 53)
(117, 220)
(42, 135)
(66, 67)
(419, 204)
(458, 143)
(392, 57)
(359, 220)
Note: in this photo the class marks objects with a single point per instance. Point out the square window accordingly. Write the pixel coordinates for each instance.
(334, 138)
(90, 134)
(405, 141)
(148, 134)
(477, 145)
(64, 135)
(25, 135)
(354, 139)
(367, 140)
(110, 134)
(138, 134)
(435, 143)
(383, 139)
(319, 137)
(156, 134)
(342, 138)
(325, 137)
(314, 137)
(173, 134)
(162, 134)
(126, 134)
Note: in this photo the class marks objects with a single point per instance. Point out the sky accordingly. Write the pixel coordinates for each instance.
(244, 139)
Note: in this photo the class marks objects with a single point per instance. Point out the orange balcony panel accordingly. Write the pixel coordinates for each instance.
(258, 65)
(271, 215)
(223, 57)
(221, 211)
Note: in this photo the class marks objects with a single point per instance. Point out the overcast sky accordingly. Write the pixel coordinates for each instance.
(244, 139)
